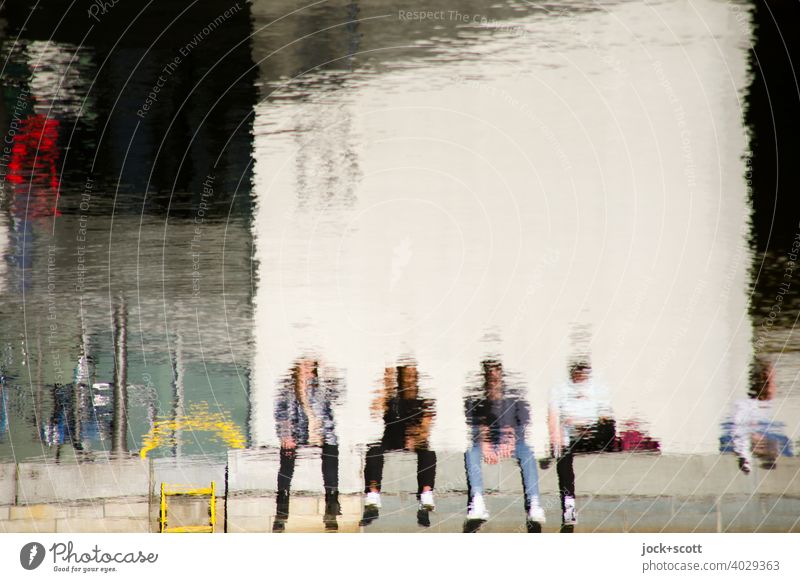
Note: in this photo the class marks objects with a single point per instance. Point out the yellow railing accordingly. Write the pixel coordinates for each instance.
(183, 491)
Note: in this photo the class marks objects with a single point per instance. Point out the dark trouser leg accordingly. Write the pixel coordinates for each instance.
(330, 468)
(373, 468)
(426, 469)
(330, 479)
(566, 477)
(286, 469)
(285, 474)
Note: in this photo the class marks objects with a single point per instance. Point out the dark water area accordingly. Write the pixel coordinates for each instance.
(347, 231)
(772, 117)
(94, 75)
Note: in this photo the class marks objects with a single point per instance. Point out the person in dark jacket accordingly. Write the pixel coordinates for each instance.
(304, 418)
(497, 419)
(407, 420)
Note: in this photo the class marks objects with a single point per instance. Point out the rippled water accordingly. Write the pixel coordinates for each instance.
(322, 202)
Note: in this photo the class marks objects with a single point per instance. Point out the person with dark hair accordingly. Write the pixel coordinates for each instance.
(752, 432)
(579, 422)
(304, 418)
(497, 419)
(407, 420)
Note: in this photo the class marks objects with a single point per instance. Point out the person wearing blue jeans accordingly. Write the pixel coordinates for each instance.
(497, 421)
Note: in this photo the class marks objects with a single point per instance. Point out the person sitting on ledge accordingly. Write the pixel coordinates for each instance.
(497, 419)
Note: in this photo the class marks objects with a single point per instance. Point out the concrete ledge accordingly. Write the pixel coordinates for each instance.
(250, 507)
(8, 476)
(29, 526)
(39, 511)
(601, 514)
(256, 470)
(259, 524)
(139, 509)
(106, 525)
(55, 482)
(196, 473)
(251, 471)
(731, 513)
(616, 474)
(617, 492)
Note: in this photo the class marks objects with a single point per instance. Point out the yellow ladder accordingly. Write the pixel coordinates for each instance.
(180, 490)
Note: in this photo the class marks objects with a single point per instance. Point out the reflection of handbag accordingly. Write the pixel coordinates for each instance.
(634, 440)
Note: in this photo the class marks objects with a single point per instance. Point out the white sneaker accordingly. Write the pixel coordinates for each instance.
(426, 501)
(373, 499)
(570, 516)
(477, 509)
(536, 512)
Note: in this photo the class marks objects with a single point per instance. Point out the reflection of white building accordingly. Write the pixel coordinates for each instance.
(510, 193)
(60, 86)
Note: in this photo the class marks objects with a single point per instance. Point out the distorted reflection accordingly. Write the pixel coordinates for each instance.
(60, 426)
(580, 421)
(753, 434)
(497, 418)
(82, 415)
(3, 408)
(343, 180)
(407, 420)
(304, 418)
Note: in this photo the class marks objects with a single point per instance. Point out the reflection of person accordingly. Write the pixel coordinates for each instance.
(752, 431)
(61, 428)
(3, 414)
(579, 421)
(304, 418)
(407, 425)
(497, 421)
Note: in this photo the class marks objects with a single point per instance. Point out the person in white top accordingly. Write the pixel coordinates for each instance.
(752, 430)
(579, 421)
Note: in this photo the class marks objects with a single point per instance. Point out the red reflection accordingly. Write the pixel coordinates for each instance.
(34, 161)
